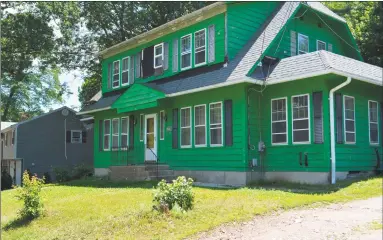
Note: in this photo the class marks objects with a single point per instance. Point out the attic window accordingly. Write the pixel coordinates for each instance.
(321, 45)
(186, 52)
(158, 55)
(200, 47)
(303, 44)
(125, 71)
(116, 74)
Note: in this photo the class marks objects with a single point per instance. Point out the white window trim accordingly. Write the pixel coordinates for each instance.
(325, 45)
(71, 135)
(344, 120)
(6, 139)
(191, 52)
(308, 118)
(142, 127)
(195, 125)
(308, 44)
(113, 135)
(197, 51)
(13, 137)
(119, 74)
(125, 134)
(186, 146)
(216, 145)
(162, 115)
(103, 135)
(287, 122)
(369, 122)
(127, 70)
(155, 56)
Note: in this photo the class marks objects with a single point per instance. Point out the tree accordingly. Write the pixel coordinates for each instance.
(28, 68)
(365, 20)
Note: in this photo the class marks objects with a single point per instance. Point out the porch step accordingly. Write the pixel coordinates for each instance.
(141, 172)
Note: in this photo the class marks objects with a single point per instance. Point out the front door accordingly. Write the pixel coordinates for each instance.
(151, 137)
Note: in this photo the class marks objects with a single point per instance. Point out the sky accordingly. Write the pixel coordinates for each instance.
(74, 80)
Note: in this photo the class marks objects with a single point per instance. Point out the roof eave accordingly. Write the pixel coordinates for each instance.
(172, 26)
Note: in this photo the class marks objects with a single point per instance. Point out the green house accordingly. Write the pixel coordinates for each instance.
(240, 91)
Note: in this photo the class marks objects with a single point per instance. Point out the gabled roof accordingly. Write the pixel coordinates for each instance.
(5, 125)
(323, 9)
(323, 62)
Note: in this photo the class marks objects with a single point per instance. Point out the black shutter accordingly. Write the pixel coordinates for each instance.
(381, 122)
(147, 62)
(339, 117)
(83, 136)
(228, 122)
(100, 135)
(109, 78)
(175, 129)
(318, 117)
(68, 136)
(131, 132)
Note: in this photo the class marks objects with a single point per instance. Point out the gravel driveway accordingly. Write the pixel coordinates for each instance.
(351, 220)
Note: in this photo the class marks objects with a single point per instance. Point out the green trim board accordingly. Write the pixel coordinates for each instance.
(137, 97)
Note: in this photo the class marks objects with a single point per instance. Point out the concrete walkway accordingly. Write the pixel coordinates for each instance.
(353, 220)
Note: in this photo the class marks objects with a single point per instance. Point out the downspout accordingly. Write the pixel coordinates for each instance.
(332, 128)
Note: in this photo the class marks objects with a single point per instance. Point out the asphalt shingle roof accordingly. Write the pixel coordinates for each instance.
(103, 102)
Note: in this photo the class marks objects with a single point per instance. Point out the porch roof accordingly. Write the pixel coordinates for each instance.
(137, 97)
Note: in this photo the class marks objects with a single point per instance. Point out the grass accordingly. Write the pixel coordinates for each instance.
(94, 209)
(375, 225)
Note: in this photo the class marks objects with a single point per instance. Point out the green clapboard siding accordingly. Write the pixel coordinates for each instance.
(218, 21)
(243, 21)
(230, 158)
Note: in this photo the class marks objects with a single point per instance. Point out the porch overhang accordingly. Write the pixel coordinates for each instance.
(137, 97)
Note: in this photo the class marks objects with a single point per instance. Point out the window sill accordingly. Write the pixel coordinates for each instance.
(200, 146)
(188, 146)
(187, 68)
(301, 143)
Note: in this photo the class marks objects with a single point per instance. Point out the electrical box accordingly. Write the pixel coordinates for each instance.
(261, 146)
(254, 162)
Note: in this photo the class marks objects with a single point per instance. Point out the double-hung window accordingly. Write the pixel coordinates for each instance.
(301, 118)
(349, 119)
(116, 74)
(373, 122)
(162, 125)
(321, 45)
(186, 52)
(200, 125)
(158, 55)
(124, 132)
(107, 134)
(186, 127)
(125, 71)
(115, 131)
(216, 133)
(76, 136)
(200, 47)
(279, 121)
(303, 44)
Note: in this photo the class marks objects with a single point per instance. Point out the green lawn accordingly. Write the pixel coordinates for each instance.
(94, 209)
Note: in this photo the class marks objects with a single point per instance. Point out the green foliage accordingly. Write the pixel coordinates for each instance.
(88, 89)
(179, 194)
(29, 193)
(80, 171)
(6, 180)
(62, 174)
(47, 178)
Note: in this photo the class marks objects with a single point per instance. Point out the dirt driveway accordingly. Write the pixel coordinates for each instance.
(353, 220)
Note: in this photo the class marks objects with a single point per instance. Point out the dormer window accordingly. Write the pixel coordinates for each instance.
(321, 45)
(158, 55)
(200, 47)
(186, 52)
(116, 74)
(125, 71)
(303, 44)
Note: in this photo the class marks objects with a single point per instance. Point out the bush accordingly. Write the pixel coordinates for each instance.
(81, 170)
(6, 180)
(47, 177)
(178, 193)
(62, 175)
(29, 193)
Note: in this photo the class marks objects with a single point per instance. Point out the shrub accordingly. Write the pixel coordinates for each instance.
(47, 177)
(29, 193)
(62, 175)
(6, 180)
(178, 193)
(81, 170)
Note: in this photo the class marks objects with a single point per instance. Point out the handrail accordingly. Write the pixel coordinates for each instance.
(157, 159)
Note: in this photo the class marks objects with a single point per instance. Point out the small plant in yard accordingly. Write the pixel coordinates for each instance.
(62, 175)
(179, 194)
(29, 193)
(81, 170)
(47, 178)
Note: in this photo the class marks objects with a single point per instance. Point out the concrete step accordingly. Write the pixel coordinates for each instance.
(141, 172)
(161, 173)
(153, 167)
